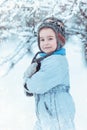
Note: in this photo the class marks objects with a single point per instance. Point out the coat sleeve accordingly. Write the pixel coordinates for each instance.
(53, 72)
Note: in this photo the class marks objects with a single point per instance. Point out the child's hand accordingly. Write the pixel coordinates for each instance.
(31, 70)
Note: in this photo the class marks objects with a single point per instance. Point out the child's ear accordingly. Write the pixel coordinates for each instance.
(61, 38)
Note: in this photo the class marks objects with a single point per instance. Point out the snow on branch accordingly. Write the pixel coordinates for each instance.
(21, 19)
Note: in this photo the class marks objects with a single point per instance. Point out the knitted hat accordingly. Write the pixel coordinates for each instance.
(57, 26)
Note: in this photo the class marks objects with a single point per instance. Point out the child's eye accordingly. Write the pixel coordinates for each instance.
(50, 38)
(41, 39)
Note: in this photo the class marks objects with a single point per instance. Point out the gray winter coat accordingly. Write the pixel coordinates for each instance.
(54, 105)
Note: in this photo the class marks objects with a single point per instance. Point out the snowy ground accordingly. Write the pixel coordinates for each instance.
(17, 110)
(78, 77)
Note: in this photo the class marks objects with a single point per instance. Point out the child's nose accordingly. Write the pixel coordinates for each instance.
(46, 41)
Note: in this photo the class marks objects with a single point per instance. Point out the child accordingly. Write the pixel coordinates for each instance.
(47, 79)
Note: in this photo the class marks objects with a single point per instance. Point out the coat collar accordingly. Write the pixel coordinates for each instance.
(61, 51)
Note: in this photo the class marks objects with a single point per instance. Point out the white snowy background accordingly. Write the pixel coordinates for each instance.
(17, 112)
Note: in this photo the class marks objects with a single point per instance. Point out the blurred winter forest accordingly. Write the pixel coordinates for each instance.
(19, 20)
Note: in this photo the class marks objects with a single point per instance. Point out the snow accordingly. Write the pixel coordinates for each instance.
(78, 73)
(17, 112)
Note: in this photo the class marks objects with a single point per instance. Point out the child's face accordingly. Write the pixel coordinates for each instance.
(48, 42)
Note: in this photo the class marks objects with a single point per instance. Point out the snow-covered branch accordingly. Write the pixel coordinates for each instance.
(21, 18)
